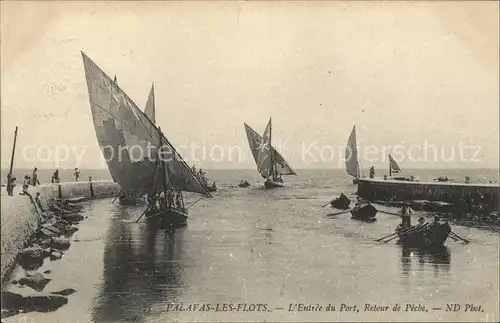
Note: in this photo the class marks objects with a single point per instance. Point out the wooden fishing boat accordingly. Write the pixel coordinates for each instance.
(172, 217)
(119, 124)
(364, 211)
(273, 183)
(342, 202)
(270, 164)
(429, 236)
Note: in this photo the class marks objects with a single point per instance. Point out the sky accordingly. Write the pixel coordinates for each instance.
(411, 75)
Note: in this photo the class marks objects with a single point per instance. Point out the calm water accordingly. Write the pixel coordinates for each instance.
(257, 246)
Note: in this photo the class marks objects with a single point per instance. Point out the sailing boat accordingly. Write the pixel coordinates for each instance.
(150, 112)
(351, 157)
(120, 124)
(270, 164)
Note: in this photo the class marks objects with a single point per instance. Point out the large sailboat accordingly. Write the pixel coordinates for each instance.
(352, 164)
(270, 164)
(125, 133)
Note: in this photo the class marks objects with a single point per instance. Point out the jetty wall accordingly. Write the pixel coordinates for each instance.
(19, 218)
(379, 189)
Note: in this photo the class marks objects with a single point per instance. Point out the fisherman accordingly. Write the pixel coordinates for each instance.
(55, 177)
(421, 222)
(77, 175)
(38, 201)
(214, 186)
(163, 201)
(34, 178)
(193, 169)
(178, 201)
(406, 216)
(170, 198)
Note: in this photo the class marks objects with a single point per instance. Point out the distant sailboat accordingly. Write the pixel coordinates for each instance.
(351, 157)
(393, 166)
(119, 124)
(270, 164)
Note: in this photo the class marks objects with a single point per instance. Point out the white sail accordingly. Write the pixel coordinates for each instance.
(150, 105)
(351, 155)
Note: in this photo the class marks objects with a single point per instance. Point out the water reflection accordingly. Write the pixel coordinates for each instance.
(439, 259)
(142, 272)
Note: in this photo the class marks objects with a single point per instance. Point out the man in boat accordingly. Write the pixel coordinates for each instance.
(178, 202)
(170, 198)
(193, 169)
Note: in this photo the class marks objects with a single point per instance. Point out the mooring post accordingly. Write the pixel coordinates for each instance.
(59, 191)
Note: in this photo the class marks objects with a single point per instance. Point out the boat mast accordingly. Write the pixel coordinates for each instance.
(390, 167)
(273, 168)
(164, 170)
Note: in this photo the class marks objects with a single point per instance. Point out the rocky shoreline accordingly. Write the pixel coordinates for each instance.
(58, 223)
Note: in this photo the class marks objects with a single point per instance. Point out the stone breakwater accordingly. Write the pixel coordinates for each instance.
(20, 220)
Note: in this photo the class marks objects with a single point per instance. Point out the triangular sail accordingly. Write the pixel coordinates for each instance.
(393, 165)
(351, 155)
(264, 156)
(255, 142)
(123, 127)
(150, 105)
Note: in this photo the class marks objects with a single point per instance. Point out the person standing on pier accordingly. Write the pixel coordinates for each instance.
(26, 184)
(55, 177)
(77, 175)
(38, 201)
(372, 172)
(34, 177)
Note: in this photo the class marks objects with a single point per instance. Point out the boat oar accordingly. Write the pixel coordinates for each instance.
(326, 204)
(147, 209)
(117, 197)
(456, 236)
(337, 213)
(402, 234)
(390, 213)
(192, 204)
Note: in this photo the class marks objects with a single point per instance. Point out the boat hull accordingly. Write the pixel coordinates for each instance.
(169, 217)
(342, 202)
(364, 212)
(431, 237)
(273, 184)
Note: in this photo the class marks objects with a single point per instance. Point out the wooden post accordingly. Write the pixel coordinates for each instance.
(9, 175)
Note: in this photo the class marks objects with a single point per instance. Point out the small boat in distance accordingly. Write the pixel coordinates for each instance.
(352, 164)
(270, 164)
(243, 183)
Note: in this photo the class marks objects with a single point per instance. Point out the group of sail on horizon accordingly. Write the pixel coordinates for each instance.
(118, 122)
